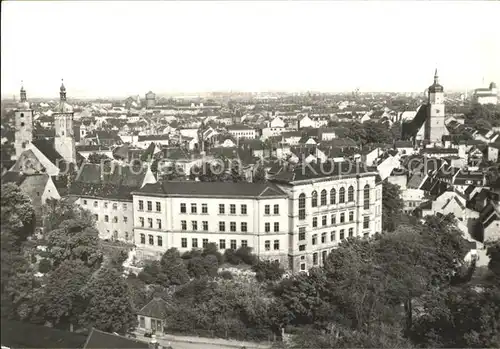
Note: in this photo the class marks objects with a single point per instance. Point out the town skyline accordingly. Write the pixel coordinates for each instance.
(245, 47)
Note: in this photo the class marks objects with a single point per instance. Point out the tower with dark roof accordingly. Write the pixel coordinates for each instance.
(435, 127)
(23, 124)
(64, 140)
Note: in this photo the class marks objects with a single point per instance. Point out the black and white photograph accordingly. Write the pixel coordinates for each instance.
(250, 174)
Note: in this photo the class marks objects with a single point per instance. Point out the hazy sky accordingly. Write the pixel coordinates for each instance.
(124, 48)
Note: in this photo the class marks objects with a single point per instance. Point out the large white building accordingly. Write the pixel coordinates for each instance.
(297, 218)
(487, 95)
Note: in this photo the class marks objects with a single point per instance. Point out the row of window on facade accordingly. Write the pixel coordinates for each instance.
(149, 206)
(150, 223)
(324, 236)
(333, 219)
(232, 209)
(106, 204)
(115, 235)
(205, 242)
(333, 198)
(115, 218)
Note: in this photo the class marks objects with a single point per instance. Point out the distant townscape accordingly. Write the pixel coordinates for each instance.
(252, 220)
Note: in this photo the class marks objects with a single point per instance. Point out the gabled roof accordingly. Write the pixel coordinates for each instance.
(103, 340)
(211, 189)
(47, 149)
(95, 181)
(156, 308)
(410, 129)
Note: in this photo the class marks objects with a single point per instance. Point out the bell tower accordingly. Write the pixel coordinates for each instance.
(435, 127)
(64, 141)
(23, 124)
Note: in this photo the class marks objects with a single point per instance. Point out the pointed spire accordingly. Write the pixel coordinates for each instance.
(23, 92)
(62, 90)
(436, 77)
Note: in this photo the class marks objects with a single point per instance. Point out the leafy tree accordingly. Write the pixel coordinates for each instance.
(242, 255)
(58, 211)
(267, 270)
(98, 158)
(396, 131)
(139, 292)
(75, 239)
(259, 175)
(212, 249)
(493, 253)
(376, 132)
(62, 300)
(109, 307)
(392, 206)
(17, 214)
(463, 317)
(305, 298)
(44, 266)
(482, 116)
(173, 267)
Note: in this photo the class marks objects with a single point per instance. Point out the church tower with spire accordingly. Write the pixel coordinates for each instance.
(23, 124)
(64, 141)
(435, 127)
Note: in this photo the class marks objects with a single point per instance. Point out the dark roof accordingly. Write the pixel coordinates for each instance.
(439, 151)
(317, 171)
(153, 138)
(156, 308)
(92, 148)
(16, 334)
(102, 340)
(94, 181)
(410, 129)
(212, 189)
(13, 177)
(47, 149)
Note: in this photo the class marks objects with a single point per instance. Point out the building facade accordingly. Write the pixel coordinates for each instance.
(64, 140)
(187, 215)
(435, 127)
(23, 125)
(295, 219)
(486, 95)
(150, 100)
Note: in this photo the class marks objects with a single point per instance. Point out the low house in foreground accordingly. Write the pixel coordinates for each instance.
(152, 316)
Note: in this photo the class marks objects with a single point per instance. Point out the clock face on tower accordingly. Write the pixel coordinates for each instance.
(437, 111)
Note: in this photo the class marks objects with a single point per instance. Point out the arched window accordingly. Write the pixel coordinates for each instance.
(341, 195)
(323, 197)
(366, 197)
(333, 196)
(302, 206)
(314, 199)
(350, 194)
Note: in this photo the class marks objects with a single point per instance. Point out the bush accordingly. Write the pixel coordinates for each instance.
(212, 249)
(266, 270)
(226, 275)
(44, 266)
(243, 255)
(33, 258)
